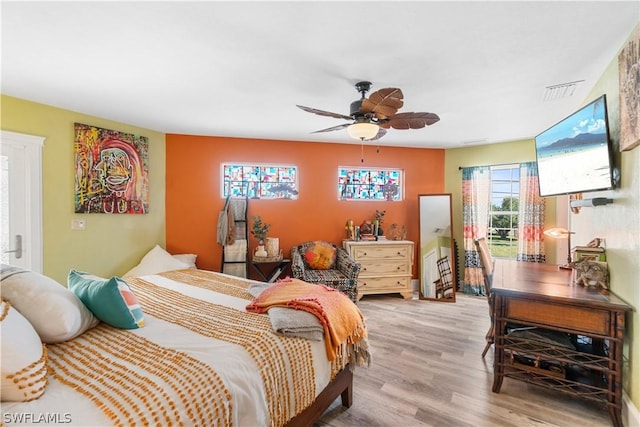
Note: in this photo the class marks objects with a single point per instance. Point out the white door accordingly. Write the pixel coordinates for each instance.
(429, 274)
(21, 200)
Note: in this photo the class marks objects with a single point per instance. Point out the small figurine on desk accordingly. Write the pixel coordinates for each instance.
(590, 272)
(366, 227)
(595, 243)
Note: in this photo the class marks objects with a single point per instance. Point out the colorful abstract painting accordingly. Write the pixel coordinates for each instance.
(111, 170)
(629, 73)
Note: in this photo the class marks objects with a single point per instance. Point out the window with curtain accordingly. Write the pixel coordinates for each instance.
(501, 204)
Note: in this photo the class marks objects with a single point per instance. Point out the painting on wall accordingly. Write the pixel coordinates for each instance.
(629, 73)
(111, 171)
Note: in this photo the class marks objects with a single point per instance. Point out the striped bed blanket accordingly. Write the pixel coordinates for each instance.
(201, 359)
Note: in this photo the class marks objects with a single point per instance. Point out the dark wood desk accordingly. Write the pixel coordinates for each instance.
(540, 295)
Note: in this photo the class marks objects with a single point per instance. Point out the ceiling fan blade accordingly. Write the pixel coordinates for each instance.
(342, 126)
(323, 113)
(383, 103)
(410, 120)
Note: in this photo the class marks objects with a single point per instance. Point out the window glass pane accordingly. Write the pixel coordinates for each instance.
(369, 184)
(260, 181)
(503, 218)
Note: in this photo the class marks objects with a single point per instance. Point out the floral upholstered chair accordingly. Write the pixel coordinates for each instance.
(325, 263)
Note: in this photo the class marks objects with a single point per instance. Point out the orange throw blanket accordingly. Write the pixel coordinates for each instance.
(340, 317)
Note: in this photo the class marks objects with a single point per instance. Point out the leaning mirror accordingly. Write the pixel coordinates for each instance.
(436, 252)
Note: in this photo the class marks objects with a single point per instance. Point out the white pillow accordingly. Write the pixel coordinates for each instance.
(54, 311)
(24, 358)
(157, 260)
(189, 259)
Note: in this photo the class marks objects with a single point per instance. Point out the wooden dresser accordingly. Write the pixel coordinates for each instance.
(386, 266)
(543, 297)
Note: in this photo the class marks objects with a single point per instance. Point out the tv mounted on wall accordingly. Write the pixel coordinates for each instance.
(575, 154)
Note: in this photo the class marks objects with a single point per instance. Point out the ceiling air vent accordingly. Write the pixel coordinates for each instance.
(562, 90)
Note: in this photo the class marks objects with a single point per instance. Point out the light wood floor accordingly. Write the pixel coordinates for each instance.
(427, 370)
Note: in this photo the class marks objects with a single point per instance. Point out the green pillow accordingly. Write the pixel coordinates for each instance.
(110, 300)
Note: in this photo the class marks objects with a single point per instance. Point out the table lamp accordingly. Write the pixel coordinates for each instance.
(562, 233)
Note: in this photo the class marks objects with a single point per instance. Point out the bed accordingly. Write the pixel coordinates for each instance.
(200, 359)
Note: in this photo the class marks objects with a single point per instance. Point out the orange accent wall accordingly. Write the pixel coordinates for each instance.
(193, 197)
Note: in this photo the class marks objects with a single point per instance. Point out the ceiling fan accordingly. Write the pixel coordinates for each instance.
(371, 117)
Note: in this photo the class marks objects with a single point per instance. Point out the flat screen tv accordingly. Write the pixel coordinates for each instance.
(575, 154)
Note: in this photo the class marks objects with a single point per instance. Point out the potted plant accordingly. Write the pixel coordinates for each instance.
(259, 231)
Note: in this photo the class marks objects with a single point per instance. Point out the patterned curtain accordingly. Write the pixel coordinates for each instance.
(530, 216)
(476, 182)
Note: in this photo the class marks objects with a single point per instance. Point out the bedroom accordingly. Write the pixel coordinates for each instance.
(180, 162)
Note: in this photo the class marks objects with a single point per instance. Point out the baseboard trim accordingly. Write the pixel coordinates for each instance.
(630, 414)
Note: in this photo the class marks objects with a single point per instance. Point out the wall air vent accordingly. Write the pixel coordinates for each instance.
(562, 90)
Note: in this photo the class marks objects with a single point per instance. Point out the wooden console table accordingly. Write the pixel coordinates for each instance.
(540, 295)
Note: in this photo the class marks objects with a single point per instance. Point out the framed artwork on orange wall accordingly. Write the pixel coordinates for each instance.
(629, 72)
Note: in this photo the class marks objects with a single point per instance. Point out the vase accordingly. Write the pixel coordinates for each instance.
(273, 247)
(261, 252)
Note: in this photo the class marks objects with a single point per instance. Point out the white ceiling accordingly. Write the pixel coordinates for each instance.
(239, 68)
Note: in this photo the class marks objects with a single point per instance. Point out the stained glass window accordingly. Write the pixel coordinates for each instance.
(369, 184)
(260, 181)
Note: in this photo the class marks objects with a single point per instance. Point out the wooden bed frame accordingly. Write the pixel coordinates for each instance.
(342, 385)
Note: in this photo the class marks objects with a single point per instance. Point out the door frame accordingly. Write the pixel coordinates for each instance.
(32, 146)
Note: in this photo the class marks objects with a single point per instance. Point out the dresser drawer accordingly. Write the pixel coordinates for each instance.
(381, 252)
(371, 268)
(387, 284)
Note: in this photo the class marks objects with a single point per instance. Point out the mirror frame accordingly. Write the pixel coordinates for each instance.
(426, 223)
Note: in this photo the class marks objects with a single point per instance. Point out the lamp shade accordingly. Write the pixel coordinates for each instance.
(561, 233)
(558, 233)
(362, 131)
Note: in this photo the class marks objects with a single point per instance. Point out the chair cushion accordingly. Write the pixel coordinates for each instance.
(320, 256)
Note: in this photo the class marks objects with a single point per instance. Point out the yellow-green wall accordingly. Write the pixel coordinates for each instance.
(618, 223)
(493, 154)
(110, 242)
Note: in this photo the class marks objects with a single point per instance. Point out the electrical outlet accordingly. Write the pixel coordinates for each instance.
(78, 224)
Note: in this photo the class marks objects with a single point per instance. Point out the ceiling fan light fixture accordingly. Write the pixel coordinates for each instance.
(363, 131)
